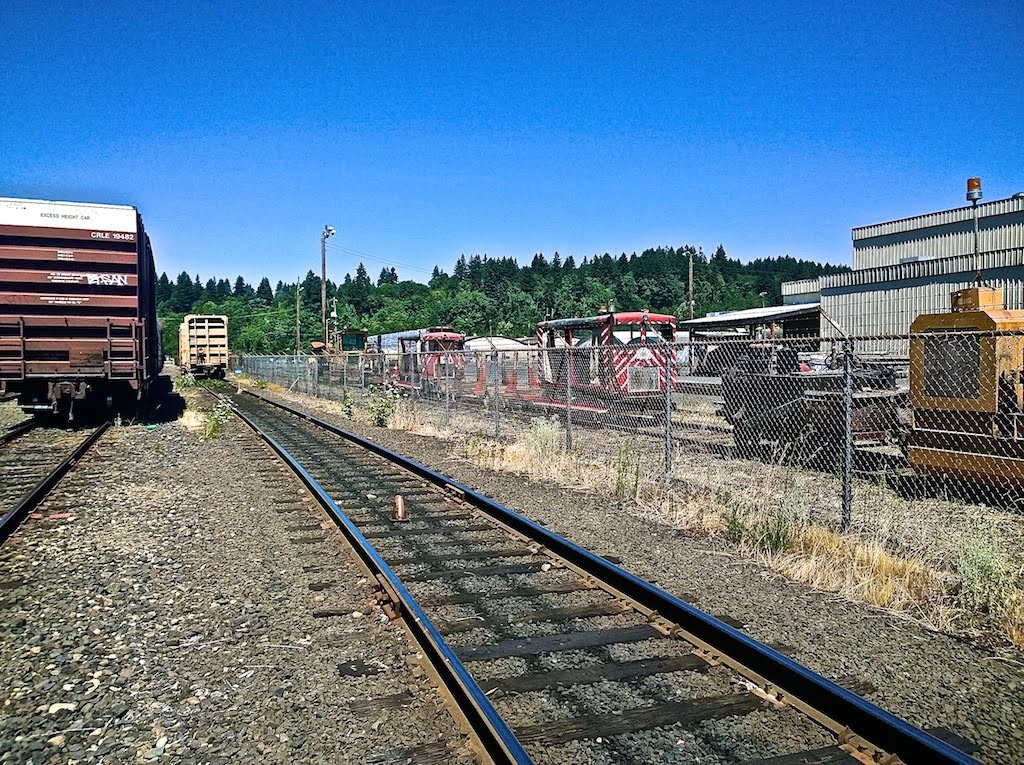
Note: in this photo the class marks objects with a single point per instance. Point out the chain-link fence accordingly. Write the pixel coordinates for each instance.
(815, 425)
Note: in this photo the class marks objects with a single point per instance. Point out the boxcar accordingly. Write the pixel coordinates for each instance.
(78, 320)
(203, 345)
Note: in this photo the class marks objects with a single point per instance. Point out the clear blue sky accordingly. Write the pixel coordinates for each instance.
(424, 130)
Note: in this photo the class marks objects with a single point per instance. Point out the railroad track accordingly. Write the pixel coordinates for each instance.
(33, 460)
(17, 430)
(553, 654)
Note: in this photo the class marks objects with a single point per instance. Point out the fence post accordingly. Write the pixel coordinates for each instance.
(568, 396)
(668, 414)
(496, 369)
(847, 434)
(447, 392)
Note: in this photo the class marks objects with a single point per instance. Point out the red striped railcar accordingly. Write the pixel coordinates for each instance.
(430, 357)
(612, 360)
(77, 305)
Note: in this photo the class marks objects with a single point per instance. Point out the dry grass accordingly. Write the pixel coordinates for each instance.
(859, 569)
(1015, 619)
(193, 420)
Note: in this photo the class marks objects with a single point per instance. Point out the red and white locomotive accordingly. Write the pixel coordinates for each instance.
(429, 360)
(613, 361)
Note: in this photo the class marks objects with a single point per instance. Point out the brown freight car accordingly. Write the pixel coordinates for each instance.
(77, 306)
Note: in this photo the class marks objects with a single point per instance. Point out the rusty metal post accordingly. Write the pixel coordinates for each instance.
(847, 434)
(668, 414)
(447, 393)
(496, 368)
(568, 395)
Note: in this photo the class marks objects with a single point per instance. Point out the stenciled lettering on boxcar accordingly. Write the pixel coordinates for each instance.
(108, 280)
(103, 280)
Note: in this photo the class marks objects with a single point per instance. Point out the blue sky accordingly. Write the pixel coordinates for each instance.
(422, 131)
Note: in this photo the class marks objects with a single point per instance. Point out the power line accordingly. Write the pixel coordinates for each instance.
(368, 256)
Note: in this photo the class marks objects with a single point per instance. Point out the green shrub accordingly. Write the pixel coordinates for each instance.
(348, 405)
(381, 405)
(777, 533)
(627, 472)
(984, 569)
(216, 421)
(545, 436)
(735, 527)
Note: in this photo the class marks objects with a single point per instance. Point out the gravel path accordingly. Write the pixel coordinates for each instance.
(931, 679)
(171, 618)
(10, 415)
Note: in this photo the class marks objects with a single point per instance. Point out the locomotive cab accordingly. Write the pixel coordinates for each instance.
(605, 361)
(431, 359)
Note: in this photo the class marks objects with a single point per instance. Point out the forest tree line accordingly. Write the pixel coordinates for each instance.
(481, 295)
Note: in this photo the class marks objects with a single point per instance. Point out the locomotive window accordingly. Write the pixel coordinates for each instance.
(952, 365)
(353, 342)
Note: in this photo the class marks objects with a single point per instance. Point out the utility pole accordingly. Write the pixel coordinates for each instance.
(298, 343)
(327, 233)
(334, 315)
(973, 195)
(689, 288)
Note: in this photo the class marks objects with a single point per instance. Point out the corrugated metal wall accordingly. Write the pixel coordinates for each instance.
(881, 306)
(940, 235)
(801, 291)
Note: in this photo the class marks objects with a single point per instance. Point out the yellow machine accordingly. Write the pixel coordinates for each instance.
(966, 390)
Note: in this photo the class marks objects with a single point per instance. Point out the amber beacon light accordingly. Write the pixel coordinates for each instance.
(973, 189)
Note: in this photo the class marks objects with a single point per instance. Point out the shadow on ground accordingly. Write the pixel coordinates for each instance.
(165, 404)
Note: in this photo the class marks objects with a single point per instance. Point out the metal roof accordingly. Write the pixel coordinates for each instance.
(942, 218)
(750, 316)
(924, 269)
(801, 286)
(495, 343)
(619, 317)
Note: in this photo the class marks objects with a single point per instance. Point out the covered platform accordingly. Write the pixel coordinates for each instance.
(802, 320)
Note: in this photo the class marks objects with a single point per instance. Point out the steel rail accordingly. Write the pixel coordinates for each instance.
(10, 520)
(496, 738)
(18, 430)
(854, 719)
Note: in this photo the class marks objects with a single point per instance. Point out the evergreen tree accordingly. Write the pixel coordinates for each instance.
(164, 289)
(263, 292)
(183, 295)
(359, 291)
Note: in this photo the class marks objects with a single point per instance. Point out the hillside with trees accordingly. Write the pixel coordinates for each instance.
(482, 295)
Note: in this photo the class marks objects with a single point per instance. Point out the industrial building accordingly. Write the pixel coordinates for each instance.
(904, 268)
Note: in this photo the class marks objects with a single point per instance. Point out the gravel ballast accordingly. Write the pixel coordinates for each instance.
(161, 609)
(930, 679)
